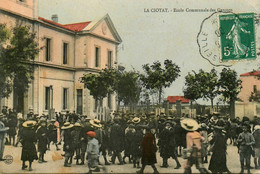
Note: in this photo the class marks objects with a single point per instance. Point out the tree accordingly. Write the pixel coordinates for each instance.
(209, 85)
(192, 89)
(157, 78)
(230, 87)
(202, 85)
(18, 51)
(100, 85)
(128, 87)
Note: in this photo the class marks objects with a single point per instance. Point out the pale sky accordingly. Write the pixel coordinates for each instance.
(151, 36)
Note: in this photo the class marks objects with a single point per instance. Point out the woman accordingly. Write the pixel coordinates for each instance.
(148, 151)
(28, 138)
(218, 161)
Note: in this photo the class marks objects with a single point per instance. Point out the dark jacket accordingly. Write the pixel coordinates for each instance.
(149, 149)
(28, 138)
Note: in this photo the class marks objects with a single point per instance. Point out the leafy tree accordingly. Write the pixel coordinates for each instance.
(209, 85)
(157, 78)
(230, 87)
(128, 87)
(202, 85)
(100, 84)
(18, 50)
(192, 89)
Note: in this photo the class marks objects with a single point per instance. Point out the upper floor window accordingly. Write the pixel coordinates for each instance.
(65, 98)
(65, 53)
(109, 59)
(97, 56)
(48, 49)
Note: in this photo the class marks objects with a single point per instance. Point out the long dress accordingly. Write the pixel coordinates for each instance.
(28, 138)
(148, 149)
(218, 159)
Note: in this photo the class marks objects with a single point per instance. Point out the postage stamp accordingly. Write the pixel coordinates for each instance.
(237, 37)
(226, 37)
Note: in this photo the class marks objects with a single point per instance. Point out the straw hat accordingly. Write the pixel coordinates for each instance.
(95, 123)
(136, 120)
(29, 123)
(257, 127)
(77, 125)
(91, 134)
(67, 125)
(189, 124)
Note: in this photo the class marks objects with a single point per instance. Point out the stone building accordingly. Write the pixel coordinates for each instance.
(69, 51)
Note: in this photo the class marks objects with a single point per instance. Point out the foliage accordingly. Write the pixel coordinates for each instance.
(18, 49)
(156, 77)
(128, 87)
(202, 85)
(230, 85)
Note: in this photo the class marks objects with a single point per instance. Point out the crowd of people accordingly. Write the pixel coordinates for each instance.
(133, 138)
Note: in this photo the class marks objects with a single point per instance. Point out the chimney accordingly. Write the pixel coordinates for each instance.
(54, 18)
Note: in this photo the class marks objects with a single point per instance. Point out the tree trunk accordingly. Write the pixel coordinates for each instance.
(160, 96)
(232, 108)
(191, 115)
(211, 100)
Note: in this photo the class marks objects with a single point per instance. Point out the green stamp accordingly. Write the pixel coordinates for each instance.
(237, 36)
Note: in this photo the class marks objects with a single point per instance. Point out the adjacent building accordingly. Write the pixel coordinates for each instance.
(68, 52)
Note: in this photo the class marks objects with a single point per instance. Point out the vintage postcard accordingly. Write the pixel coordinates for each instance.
(129, 86)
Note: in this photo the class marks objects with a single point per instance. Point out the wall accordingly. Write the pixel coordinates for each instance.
(246, 109)
(248, 83)
(28, 8)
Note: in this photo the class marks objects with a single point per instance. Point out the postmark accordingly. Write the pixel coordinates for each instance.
(8, 159)
(225, 38)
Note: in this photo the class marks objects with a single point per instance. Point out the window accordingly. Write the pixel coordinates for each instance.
(48, 49)
(47, 97)
(65, 98)
(65, 53)
(79, 101)
(109, 102)
(97, 56)
(109, 59)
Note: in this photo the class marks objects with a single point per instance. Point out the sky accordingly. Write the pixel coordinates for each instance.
(158, 34)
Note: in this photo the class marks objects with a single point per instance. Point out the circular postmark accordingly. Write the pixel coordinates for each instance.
(8, 159)
(226, 37)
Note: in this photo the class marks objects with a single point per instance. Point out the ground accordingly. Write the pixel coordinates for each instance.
(57, 166)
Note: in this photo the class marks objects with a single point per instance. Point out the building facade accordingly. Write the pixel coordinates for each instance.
(68, 52)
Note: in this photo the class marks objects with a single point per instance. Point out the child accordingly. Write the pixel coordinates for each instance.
(92, 152)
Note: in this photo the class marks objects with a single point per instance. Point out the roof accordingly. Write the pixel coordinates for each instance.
(253, 73)
(173, 99)
(77, 26)
(72, 27)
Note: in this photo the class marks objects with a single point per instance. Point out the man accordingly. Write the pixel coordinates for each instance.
(117, 139)
(193, 143)
(245, 141)
(167, 145)
(3, 130)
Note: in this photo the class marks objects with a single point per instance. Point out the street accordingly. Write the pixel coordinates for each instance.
(57, 166)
